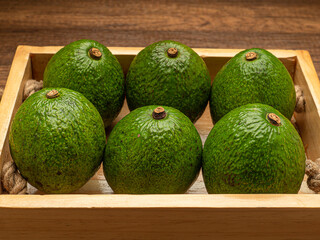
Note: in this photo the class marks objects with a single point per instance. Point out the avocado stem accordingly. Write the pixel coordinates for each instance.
(159, 113)
(274, 119)
(95, 53)
(251, 56)
(172, 52)
(52, 94)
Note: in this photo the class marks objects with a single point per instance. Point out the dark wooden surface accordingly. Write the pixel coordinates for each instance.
(211, 24)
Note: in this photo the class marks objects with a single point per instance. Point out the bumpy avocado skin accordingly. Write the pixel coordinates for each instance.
(245, 153)
(100, 81)
(182, 82)
(148, 156)
(57, 144)
(262, 80)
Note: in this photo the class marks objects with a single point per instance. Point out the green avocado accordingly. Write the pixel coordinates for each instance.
(171, 74)
(153, 150)
(253, 149)
(252, 76)
(57, 140)
(90, 68)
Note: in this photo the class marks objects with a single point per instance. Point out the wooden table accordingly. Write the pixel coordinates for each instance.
(208, 24)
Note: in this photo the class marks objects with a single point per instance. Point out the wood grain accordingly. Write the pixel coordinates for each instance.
(160, 223)
(309, 121)
(272, 24)
(12, 98)
(221, 201)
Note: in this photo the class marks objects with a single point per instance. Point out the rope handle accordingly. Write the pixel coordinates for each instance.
(313, 173)
(14, 183)
(300, 100)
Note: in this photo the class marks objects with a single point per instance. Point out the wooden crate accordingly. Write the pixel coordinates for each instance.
(94, 212)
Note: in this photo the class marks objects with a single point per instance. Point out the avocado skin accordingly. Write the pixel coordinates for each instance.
(182, 82)
(148, 156)
(57, 144)
(244, 153)
(263, 80)
(100, 81)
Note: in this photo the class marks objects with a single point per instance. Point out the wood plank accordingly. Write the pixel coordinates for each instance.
(309, 121)
(222, 201)
(12, 98)
(214, 58)
(160, 223)
(310, 75)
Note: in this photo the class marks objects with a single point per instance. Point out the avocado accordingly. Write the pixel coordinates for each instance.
(252, 76)
(253, 149)
(90, 68)
(153, 150)
(172, 74)
(57, 140)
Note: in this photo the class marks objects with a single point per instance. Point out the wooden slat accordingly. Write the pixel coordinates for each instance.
(160, 223)
(214, 58)
(310, 75)
(309, 121)
(12, 98)
(161, 201)
(204, 52)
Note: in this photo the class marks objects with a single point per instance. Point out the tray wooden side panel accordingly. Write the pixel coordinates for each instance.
(160, 217)
(309, 121)
(214, 58)
(12, 98)
(190, 223)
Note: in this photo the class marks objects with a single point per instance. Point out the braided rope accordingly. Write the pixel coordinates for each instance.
(12, 181)
(313, 173)
(300, 100)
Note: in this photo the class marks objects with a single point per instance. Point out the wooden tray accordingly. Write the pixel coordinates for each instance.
(94, 212)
